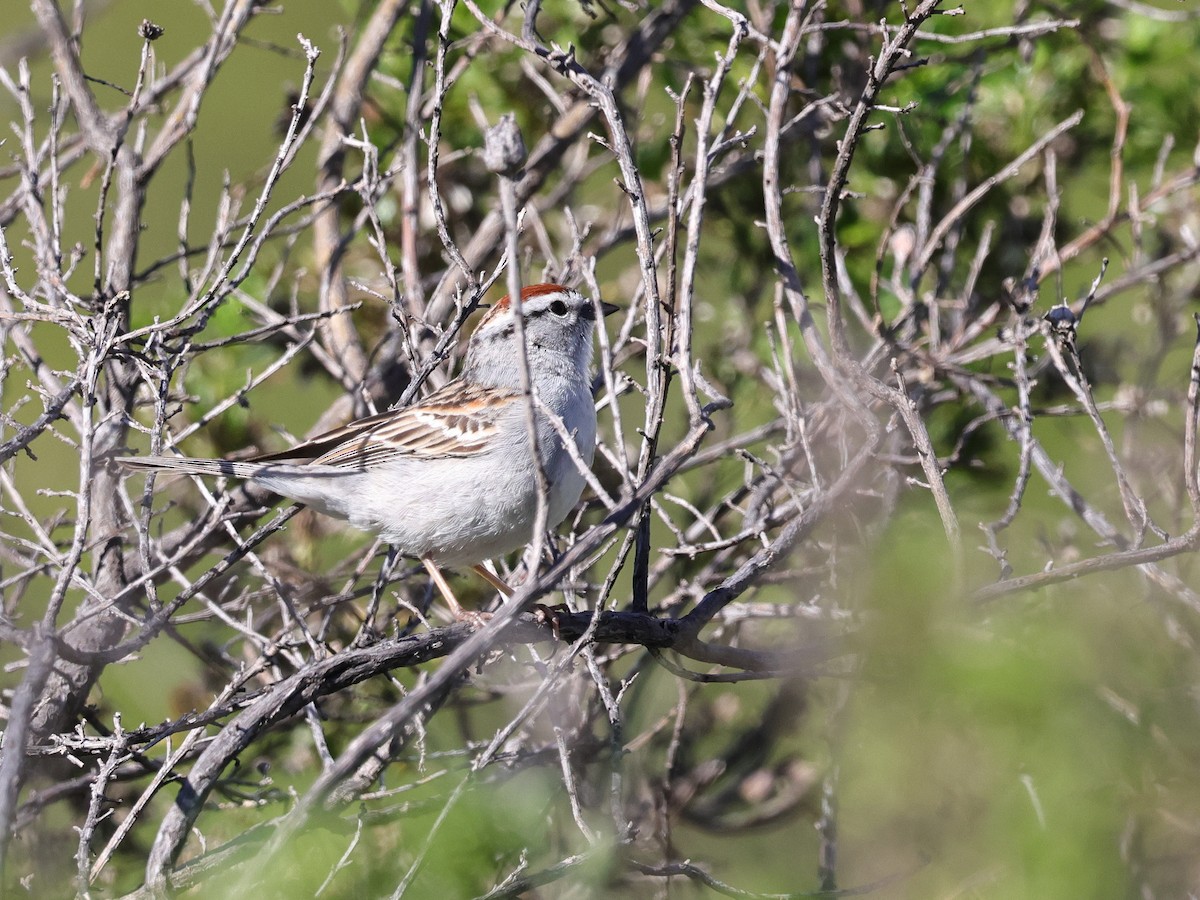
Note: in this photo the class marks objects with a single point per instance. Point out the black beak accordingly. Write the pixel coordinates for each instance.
(589, 312)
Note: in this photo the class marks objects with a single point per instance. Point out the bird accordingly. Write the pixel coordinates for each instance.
(451, 480)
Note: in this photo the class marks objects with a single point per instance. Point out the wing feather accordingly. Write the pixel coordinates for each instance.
(455, 421)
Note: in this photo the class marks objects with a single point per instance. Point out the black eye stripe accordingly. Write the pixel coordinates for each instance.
(537, 313)
(556, 307)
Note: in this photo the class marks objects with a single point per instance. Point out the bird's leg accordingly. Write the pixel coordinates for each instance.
(456, 610)
(493, 580)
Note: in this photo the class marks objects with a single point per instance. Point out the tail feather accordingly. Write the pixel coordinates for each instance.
(324, 488)
(188, 466)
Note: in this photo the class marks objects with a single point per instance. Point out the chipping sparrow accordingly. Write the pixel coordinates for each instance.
(451, 479)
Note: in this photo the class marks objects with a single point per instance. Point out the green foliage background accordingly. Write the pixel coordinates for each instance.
(1043, 745)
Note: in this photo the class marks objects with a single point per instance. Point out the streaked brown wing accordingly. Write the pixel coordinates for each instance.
(314, 447)
(456, 420)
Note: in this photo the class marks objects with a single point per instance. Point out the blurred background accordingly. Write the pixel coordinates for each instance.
(931, 739)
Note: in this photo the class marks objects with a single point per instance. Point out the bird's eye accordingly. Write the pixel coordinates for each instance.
(558, 308)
